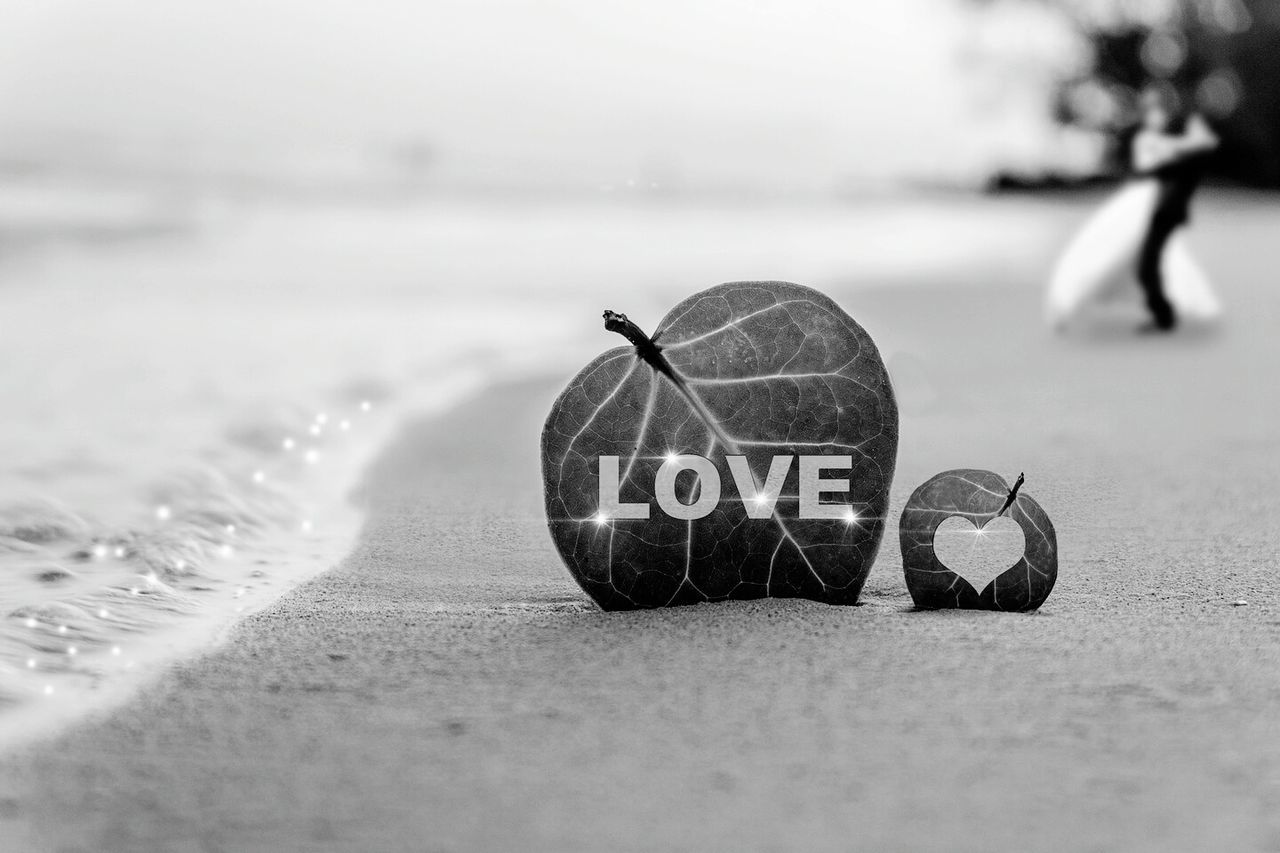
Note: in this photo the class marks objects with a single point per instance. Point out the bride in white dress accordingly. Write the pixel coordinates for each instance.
(1129, 253)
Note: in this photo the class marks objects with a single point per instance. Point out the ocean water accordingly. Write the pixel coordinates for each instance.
(191, 385)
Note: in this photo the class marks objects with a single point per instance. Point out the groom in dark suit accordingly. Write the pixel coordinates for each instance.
(1178, 160)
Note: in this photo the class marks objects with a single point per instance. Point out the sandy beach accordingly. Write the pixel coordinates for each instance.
(448, 687)
(214, 375)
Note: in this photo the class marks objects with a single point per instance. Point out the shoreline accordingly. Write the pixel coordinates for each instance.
(109, 678)
(43, 718)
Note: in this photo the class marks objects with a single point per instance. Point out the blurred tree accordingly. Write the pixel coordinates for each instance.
(1220, 57)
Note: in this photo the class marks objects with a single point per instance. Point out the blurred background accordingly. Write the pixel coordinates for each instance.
(400, 98)
(233, 233)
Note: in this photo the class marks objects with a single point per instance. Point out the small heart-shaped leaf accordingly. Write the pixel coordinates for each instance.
(941, 578)
(979, 554)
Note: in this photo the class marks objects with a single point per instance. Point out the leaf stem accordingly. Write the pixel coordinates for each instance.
(651, 353)
(1013, 494)
(645, 346)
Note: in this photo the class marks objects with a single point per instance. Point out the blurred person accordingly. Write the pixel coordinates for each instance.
(1129, 250)
(1178, 162)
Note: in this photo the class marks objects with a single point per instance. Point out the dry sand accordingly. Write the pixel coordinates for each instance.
(448, 687)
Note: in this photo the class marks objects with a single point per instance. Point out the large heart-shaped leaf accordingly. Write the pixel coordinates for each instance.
(754, 369)
(980, 497)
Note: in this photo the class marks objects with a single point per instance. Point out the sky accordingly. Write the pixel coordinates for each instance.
(776, 93)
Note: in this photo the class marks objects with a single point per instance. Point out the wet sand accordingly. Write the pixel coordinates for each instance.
(448, 686)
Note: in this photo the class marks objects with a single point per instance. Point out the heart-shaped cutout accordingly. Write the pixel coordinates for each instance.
(979, 554)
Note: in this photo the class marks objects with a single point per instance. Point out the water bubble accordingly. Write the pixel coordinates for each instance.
(163, 513)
